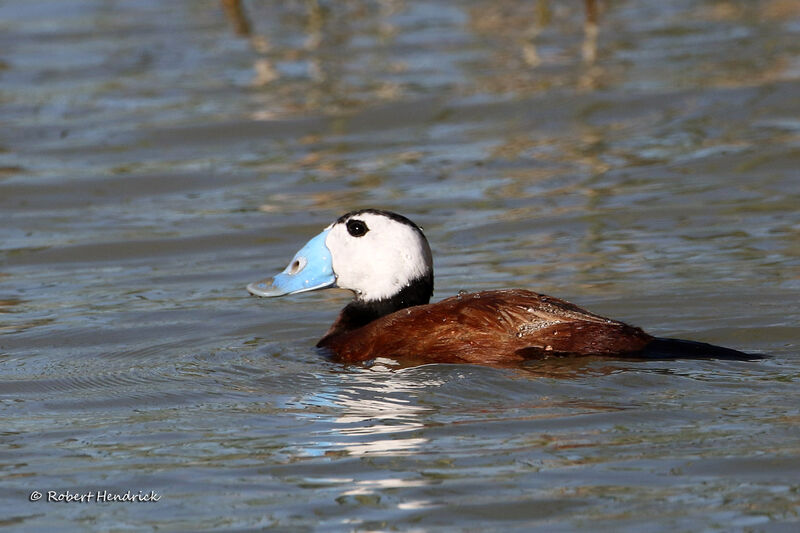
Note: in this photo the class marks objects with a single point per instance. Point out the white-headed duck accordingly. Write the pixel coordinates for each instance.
(386, 261)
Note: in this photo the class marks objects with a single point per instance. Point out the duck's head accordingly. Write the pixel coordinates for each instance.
(376, 254)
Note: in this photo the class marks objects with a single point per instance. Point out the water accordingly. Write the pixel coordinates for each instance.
(153, 162)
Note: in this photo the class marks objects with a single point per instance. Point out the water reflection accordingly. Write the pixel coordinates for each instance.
(376, 413)
(340, 57)
(237, 16)
(455, 422)
(350, 54)
(387, 410)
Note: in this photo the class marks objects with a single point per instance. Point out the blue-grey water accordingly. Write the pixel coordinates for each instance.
(155, 157)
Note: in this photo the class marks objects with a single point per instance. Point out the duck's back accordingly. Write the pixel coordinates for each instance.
(489, 327)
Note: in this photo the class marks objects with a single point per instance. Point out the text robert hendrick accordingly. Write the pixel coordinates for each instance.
(95, 496)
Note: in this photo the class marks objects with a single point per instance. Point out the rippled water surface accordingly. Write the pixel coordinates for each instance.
(155, 157)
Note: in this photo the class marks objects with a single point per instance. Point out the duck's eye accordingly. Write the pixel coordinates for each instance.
(356, 228)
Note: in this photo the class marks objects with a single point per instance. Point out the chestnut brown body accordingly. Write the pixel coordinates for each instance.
(489, 327)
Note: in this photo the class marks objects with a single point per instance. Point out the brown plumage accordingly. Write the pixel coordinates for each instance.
(488, 327)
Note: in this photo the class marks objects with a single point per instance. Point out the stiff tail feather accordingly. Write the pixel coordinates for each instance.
(663, 348)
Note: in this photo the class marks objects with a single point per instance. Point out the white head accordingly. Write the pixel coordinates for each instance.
(376, 254)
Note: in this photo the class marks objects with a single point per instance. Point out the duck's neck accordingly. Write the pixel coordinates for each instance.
(359, 313)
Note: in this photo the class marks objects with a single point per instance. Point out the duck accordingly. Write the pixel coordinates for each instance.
(385, 260)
